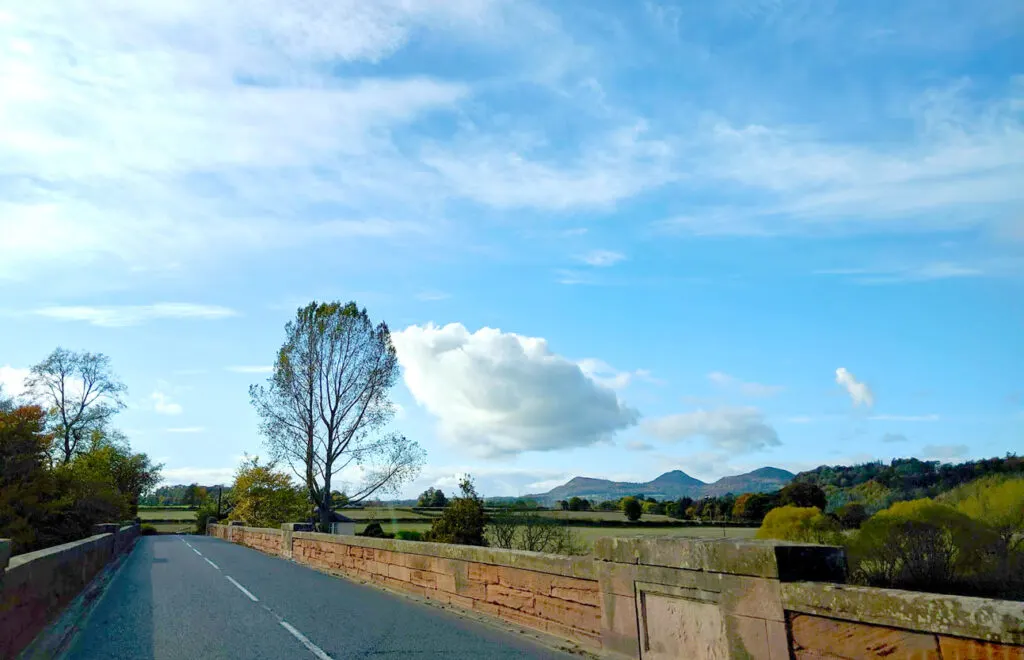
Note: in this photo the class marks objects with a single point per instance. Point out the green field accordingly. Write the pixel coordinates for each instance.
(165, 514)
(172, 528)
(384, 514)
(588, 535)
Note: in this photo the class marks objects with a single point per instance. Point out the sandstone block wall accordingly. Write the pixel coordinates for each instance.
(546, 597)
(36, 586)
(669, 597)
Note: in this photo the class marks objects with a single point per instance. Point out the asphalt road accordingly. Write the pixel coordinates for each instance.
(197, 597)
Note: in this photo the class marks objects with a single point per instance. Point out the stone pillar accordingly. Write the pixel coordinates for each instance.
(286, 536)
(697, 598)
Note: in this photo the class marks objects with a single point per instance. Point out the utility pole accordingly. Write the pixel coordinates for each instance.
(220, 489)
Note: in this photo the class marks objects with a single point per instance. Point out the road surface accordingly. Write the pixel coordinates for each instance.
(198, 597)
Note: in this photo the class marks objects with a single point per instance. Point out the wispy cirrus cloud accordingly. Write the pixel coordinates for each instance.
(601, 258)
(119, 316)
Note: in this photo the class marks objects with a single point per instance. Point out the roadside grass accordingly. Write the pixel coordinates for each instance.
(172, 527)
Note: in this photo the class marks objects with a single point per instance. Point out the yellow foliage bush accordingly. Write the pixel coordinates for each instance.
(799, 523)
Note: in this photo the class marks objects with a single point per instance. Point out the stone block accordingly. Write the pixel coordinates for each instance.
(587, 638)
(572, 614)
(511, 598)
(956, 648)
(424, 579)
(760, 598)
(483, 573)
(674, 627)
(397, 572)
(847, 639)
(778, 640)
(591, 597)
(619, 630)
(747, 637)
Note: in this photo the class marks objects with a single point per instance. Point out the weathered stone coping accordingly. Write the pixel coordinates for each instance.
(19, 560)
(959, 616)
(753, 557)
(259, 530)
(578, 567)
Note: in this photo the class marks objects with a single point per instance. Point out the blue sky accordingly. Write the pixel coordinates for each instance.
(612, 238)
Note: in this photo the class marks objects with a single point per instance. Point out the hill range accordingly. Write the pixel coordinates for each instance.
(669, 486)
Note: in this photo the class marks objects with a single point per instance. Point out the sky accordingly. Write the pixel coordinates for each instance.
(610, 238)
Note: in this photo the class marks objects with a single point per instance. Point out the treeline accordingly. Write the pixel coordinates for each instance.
(877, 485)
(63, 467)
(188, 495)
(968, 540)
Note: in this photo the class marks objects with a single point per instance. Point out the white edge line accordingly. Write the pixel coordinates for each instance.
(197, 552)
(242, 589)
(314, 649)
(212, 564)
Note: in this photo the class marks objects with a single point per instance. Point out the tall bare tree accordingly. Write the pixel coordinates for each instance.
(80, 393)
(326, 405)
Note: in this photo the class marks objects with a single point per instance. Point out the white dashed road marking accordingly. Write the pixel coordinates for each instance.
(197, 552)
(313, 648)
(242, 589)
(212, 564)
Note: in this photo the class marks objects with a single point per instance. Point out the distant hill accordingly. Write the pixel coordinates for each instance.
(669, 486)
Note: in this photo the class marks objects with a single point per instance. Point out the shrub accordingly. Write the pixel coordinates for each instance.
(632, 508)
(374, 530)
(462, 521)
(923, 545)
(796, 523)
(409, 535)
(526, 530)
(147, 530)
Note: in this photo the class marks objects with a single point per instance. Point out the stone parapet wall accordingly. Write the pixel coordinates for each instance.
(545, 596)
(857, 622)
(36, 586)
(670, 597)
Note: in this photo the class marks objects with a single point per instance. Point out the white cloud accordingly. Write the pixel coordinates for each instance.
(906, 418)
(612, 167)
(197, 475)
(172, 103)
(251, 369)
(749, 389)
(491, 481)
(12, 380)
(731, 429)
(859, 392)
(800, 419)
(607, 375)
(601, 258)
(119, 316)
(163, 404)
(639, 445)
(186, 429)
(496, 393)
(944, 452)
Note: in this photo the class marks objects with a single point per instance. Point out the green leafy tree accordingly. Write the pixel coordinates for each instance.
(801, 494)
(432, 497)
(266, 497)
(632, 507)
(793, 523)
(26, 487)
(851, 515)
(463, 520)
(997, 501)
(751, 507)
(326, 406)
(80, 393)
(920, 544)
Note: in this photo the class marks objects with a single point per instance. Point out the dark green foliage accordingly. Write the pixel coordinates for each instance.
(803, 494)
(463, 520)
(632, 507)
(678, 508)
(374, 530)
(851, 515)
(409, 535)
(432, 497)
(147, 530)
(910, 478)
(578, 504)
